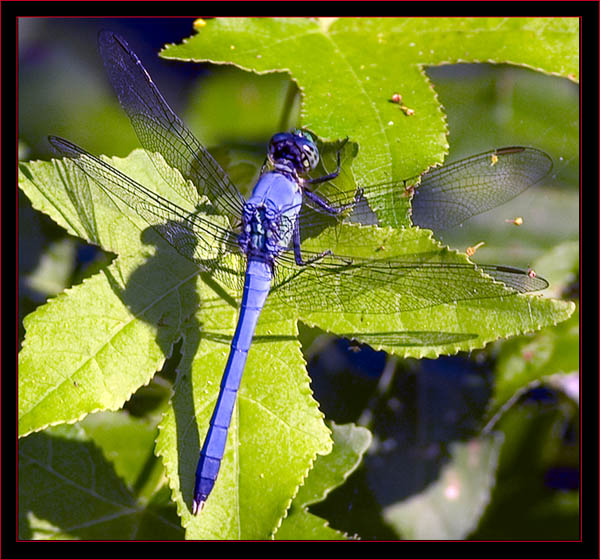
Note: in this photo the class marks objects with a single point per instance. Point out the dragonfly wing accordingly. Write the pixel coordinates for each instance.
(446, 196)
(450, 195)
(516, 278)
(160, 130)
(416, 281)
(313, 219)
(200, 240)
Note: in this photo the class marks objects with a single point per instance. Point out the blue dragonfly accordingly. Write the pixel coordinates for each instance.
(260, 252)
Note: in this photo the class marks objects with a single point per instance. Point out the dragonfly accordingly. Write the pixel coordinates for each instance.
(256, 249)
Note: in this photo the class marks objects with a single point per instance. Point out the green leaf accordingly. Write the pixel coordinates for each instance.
(54, 269)
(561, 266)
(450, 508)
(128, 443)
(546, 356)
(508, 105)
(121, 325)
(257, 101)
(350, 443)
(91, 347)
(525, 503)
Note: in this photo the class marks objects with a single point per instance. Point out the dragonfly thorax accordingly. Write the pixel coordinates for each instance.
(260, 235)
(293, 152)
(270, 215)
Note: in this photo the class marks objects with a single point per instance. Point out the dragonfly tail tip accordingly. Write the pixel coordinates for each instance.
(197, 506)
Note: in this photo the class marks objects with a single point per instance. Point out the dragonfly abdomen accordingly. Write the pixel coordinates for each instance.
(256, 289)
(268, 222)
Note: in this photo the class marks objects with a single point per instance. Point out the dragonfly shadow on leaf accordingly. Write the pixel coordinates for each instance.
(258, 339)
(408, 338)
(163, 292)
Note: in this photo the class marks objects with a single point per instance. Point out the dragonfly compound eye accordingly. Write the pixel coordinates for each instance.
(309, 153)
(310, 156)
(295, 152)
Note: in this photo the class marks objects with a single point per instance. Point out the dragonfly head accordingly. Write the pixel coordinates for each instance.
(295, 152)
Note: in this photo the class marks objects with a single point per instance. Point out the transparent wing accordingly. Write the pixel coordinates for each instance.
(450, 195)
(213, 247)
(416, 281)
(332, 283)
(517, 279)
(447, 196)
(161, 131)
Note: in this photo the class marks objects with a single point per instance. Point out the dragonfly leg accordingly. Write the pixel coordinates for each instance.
(334, 210)
(333, 175)
(264, 166)
(298, 253)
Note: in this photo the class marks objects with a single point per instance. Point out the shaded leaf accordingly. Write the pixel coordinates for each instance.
(527, 362)
(450, 508)
(275, 435)
(67, 489)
